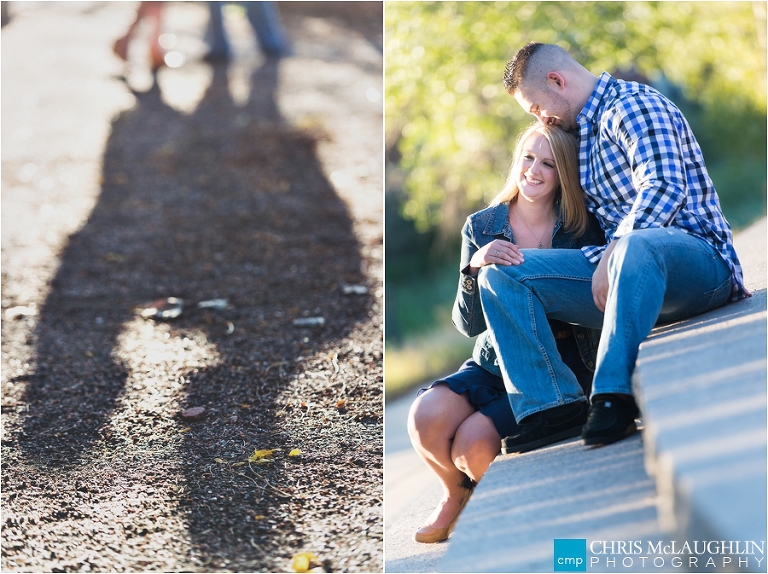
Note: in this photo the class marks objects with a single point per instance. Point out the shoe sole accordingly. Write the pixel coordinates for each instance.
(557, 437)
(603, 440)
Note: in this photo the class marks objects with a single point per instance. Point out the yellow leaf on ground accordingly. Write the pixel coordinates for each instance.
(259, 454)
(219, 460)
(185, 430)
(295, 452)
(302, 562)
(259, 517)
(239, 463)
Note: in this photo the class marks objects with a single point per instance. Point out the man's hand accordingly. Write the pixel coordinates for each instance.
(600, 279)
(497, 252)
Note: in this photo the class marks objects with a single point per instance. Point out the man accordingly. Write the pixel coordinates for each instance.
(669, 252)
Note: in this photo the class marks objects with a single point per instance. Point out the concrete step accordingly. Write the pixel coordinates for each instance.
(702, 387)
(696, 473)
(562, 491)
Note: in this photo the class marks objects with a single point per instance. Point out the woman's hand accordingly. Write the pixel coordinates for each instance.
(497, 252)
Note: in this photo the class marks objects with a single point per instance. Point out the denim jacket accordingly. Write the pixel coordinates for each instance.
(480, 229)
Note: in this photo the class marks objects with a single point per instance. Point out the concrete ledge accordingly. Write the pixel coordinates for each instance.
(697, 473)
(701, 385)
(562, 491)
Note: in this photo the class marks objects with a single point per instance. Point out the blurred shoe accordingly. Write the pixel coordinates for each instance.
(156, 57)
(120, 48)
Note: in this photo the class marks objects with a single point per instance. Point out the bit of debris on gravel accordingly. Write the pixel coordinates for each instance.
(130, 442)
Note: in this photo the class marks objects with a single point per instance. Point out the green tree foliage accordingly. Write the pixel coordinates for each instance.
(451, 126)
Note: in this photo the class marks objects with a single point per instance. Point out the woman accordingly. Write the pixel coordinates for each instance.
(457, 424)
(153, 12)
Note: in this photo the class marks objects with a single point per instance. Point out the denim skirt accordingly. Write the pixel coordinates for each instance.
(486, 393)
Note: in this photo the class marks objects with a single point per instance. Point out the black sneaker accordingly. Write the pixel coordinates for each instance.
(546, 427)
(611, 418)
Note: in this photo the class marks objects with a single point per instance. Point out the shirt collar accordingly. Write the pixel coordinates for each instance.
(498, 223)
(590, 111)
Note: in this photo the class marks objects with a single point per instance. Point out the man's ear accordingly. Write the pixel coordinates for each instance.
(555, 81)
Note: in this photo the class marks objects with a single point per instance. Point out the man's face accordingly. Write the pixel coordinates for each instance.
(550, 108)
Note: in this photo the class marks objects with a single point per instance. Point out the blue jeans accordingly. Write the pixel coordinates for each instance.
(265, 21)
(655, 275)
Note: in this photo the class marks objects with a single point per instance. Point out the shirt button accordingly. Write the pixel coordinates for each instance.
(581, 336)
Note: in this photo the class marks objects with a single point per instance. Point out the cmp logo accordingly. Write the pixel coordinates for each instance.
(570, 554)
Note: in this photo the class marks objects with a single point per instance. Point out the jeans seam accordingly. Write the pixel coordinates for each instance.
(626, 331)
(542, 350)
(708, 295)
(638, 295)
(526, 278)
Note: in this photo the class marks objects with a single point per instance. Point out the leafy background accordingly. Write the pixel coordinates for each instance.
(450, 127)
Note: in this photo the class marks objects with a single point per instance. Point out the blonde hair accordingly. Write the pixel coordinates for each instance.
(569, 194)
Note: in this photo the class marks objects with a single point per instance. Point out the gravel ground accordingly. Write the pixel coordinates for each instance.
(260, 184)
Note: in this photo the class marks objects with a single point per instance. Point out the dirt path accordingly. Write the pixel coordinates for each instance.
(260, 184)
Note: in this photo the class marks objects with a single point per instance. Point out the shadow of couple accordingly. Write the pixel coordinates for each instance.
(226, 202)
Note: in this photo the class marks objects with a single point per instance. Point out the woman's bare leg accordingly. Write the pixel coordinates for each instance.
(475, 445)
(153, 12)
(432, 424)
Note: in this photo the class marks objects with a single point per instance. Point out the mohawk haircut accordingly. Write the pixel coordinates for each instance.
(517, 67)
(532, 63)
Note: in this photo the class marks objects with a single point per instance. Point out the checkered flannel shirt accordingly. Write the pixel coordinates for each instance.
(642, 167)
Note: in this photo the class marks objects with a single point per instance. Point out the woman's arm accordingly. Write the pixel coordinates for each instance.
(467, 312)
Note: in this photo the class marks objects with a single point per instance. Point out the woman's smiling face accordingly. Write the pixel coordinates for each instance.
(537, 177)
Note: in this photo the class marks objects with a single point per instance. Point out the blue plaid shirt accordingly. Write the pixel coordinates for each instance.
(642, 167)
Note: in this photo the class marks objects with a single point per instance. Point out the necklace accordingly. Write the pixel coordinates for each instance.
(536, 237)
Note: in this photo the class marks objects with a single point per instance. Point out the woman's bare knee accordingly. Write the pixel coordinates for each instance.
(436, 414)
(423, 416)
